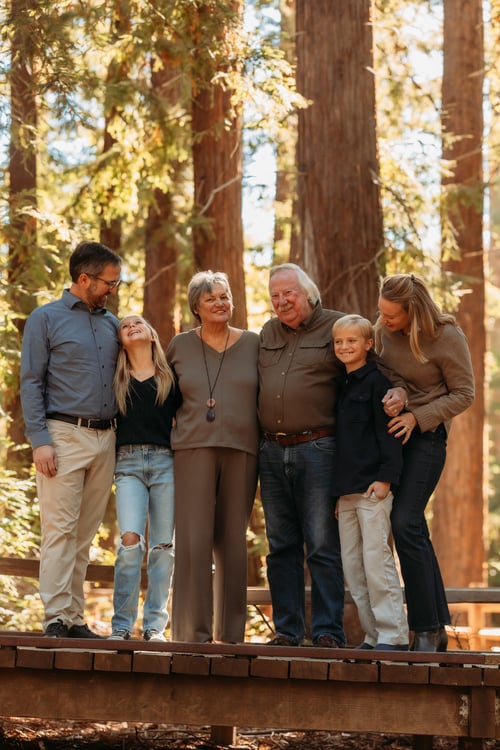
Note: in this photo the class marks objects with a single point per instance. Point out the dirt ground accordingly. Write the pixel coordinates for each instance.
(30, 734)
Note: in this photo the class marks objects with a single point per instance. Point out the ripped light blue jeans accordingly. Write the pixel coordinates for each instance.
(144, 478)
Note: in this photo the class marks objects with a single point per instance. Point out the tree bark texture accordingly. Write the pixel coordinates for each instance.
(160, 231)
(340, 220)
(22, 229)
(110, 233)
(217, 167)
(459, 505)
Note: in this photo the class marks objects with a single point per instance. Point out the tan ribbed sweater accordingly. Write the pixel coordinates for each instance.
(440, 388)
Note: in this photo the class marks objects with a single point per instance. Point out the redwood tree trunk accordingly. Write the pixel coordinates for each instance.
(340, 219)
(22, 229)
(217, 166)
(110, 233)
(460, 499)
(160, 235)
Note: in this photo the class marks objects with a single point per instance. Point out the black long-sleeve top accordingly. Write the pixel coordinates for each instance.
(365, 451)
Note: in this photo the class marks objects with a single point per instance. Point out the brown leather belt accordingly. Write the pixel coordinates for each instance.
(290, 438)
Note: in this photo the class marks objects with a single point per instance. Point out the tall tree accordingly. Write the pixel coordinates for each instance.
(117, 72)
(217, 156)
(286, 147)
(460, 497)
(340, 235)
(22, 229)
(160, 239)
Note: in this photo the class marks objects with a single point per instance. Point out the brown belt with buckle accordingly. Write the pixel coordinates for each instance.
(293, 438)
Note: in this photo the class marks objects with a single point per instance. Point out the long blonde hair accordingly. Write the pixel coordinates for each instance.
(163, 374)
(426, 318)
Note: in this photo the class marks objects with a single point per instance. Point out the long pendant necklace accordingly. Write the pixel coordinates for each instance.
(211, 387)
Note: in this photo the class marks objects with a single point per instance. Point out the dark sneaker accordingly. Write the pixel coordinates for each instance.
(82, 631)
(56, 629)
(281, 640)
(154, 635)
(326, 641)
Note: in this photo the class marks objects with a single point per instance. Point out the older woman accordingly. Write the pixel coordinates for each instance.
(430, 353)
(215, 442)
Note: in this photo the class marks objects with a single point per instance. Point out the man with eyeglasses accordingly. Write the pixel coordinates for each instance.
(68, 359)
(297, 393)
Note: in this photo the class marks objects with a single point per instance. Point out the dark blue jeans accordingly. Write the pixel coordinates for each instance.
(299, 511)
(424, 456)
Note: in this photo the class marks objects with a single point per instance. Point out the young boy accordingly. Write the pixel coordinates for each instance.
(368, 461)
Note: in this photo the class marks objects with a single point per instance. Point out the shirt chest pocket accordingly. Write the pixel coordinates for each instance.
(357, 408)
(270, 354)
(313, 353)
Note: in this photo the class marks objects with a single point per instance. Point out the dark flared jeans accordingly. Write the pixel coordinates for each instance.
(424, 458)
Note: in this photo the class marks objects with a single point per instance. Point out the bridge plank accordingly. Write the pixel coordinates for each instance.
(271, 668)
(455, 676)
(190, 664)
(144, 661)
(303, 669)
(227, 666)
(74, 659)
(416, 674)
(34, 658)
(353, 672)
(112, 662)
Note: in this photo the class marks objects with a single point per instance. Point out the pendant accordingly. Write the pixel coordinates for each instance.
(210, 403)
(211, 413)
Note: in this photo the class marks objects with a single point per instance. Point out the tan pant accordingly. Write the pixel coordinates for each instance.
(72, 505)
(214, 494)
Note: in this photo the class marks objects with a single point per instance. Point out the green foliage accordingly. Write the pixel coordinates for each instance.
(19, 537)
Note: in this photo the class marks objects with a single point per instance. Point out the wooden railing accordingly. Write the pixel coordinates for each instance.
(471, 607)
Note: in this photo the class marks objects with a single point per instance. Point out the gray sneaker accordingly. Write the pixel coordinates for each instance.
(119, 635)
(154, 635)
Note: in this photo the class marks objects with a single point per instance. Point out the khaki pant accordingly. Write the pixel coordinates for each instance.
(72, 505)
(370, 569)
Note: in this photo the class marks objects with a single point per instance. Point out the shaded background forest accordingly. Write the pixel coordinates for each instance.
(149, 126)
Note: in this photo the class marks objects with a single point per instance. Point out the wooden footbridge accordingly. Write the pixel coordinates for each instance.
(253, 685)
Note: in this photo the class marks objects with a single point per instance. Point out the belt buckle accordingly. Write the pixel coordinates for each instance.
(278, 435)
(90, 421)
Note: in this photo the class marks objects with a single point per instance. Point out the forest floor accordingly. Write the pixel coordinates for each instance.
(31, 734)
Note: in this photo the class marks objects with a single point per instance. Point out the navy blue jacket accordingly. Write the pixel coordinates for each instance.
(365, 451)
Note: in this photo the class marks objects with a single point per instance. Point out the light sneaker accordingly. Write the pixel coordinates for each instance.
(154, 635)
(119, 635)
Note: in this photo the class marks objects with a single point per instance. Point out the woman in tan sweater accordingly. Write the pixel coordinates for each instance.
(215, 440)
(428, 350)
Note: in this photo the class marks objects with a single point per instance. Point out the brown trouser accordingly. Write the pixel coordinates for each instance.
(214, 494)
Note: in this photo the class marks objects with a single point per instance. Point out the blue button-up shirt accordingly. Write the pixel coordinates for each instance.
(68, 362)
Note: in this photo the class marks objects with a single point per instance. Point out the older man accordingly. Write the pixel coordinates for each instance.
(297, 392)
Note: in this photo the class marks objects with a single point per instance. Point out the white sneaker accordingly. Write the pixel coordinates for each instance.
(119, 635)
(154, 635)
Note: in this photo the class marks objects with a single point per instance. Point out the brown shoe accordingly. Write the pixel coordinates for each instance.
(281, 640)
(326, 641)
(431, 640)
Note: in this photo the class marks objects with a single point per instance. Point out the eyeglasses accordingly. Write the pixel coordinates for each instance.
(111, 284)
